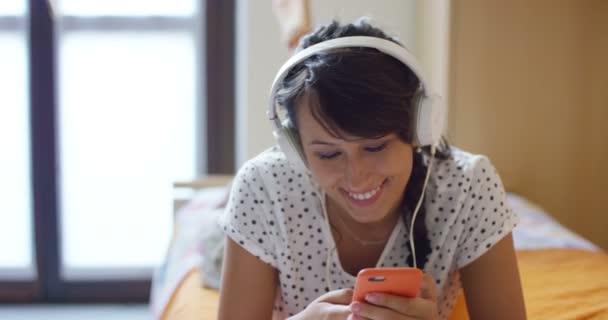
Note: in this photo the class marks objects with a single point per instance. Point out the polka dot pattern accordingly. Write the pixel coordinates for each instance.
(276, 214)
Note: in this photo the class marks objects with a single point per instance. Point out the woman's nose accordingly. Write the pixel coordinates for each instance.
(356, 173)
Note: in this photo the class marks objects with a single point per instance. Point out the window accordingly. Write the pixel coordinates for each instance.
(118, 105)
(127, 114)
(16, 241)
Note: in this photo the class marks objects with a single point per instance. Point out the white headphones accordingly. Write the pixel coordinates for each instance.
(430, 110)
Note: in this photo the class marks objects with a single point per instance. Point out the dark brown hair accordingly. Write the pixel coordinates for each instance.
(363, 93)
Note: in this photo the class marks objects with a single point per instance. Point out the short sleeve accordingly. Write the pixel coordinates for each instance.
(485, 217)
(248, 218)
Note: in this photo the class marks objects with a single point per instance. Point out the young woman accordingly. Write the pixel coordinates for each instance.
(361, 178)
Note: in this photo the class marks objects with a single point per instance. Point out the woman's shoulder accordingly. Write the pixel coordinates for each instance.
(462, 164)
(467, 205)
(271, 181)
(460, 173)
(272, 170)
(270, 162)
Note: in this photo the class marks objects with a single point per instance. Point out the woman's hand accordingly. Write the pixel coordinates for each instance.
(380, 306)
(330, 306)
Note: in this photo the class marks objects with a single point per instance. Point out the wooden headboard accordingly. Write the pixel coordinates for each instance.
(184, 190)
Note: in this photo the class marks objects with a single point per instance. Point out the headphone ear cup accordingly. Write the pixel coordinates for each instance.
(430, 119)
(288, 143)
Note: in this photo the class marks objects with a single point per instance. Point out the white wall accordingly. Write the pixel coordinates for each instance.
(433, 43)
(260, 53)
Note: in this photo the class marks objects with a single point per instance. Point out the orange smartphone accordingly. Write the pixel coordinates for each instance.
(404, 282)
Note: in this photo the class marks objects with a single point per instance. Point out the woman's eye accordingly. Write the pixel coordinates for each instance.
(327, 156)
(377, 148)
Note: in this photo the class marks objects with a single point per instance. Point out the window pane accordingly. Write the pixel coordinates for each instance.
(127, 131)
(127, 8)
(12, 8)
(15, 185)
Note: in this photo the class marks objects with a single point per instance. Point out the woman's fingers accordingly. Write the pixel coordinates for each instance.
(385, 306)
(356, 317)
(429, 288)
(342, 296)
(333, 311)
(374, 312)
(333, 305)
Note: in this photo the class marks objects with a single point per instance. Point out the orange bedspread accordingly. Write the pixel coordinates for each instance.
(558, 284)
(565, 284)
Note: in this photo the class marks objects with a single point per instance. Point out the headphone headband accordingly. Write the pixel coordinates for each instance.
(386, 46)
(429, 107)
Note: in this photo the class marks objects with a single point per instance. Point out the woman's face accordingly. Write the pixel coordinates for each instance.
(364, 177)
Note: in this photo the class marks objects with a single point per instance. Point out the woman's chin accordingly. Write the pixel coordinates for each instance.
(366, 214)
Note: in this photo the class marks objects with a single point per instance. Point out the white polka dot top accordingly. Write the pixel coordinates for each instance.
(276, 213)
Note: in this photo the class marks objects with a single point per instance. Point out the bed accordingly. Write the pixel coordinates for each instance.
(564, 276)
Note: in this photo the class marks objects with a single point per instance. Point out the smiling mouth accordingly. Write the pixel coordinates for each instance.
(365, 195)
(365, 198)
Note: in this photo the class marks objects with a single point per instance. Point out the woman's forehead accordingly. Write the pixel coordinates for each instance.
(312, 130)
(309, 126)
